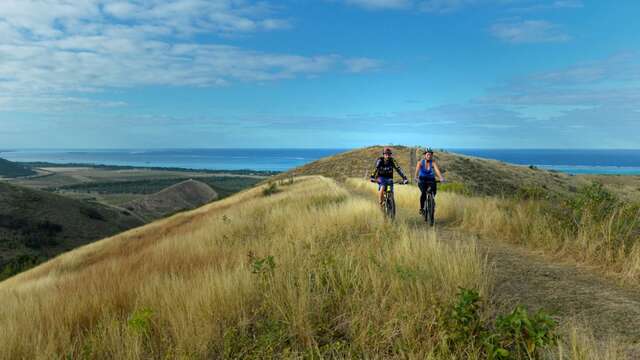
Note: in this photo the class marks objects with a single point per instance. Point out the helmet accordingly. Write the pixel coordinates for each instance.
(387, 150)
(428, 150)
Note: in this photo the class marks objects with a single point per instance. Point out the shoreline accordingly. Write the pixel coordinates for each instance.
(45, 164)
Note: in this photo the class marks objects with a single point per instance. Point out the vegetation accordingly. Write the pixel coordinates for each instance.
(513, 336)
(11, 169)
(123, 167)
(327, 290)
(223, 185)
(592, 226)
(479, 176)
(36, 225)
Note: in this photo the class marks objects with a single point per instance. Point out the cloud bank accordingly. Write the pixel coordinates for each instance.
(50, 48)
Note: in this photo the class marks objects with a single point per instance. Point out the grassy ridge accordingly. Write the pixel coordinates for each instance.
(223, 185)
(333, 280)
(479, 176)
(305, 270)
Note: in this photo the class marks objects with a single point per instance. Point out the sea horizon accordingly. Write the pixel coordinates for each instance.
(572, 161)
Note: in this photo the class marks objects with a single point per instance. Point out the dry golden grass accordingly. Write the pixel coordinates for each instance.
(611, 243)
(525, 223)
(201, 284)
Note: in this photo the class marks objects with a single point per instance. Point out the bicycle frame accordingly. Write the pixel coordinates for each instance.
(389, 202)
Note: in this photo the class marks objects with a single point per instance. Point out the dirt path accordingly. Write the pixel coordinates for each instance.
(567, 291)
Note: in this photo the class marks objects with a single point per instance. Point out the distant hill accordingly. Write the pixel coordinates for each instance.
(37, 225)
(479, 176)
(186, 195)
(9, 169)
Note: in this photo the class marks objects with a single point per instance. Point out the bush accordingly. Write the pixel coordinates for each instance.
(140, 321)
(18, 265)
(516, 335)
(270, 189)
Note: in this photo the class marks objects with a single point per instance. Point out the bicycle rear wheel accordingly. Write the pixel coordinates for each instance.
(432, 209)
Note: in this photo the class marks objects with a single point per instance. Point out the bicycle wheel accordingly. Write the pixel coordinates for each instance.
(391, 206)
(432, 208)
(427, 209)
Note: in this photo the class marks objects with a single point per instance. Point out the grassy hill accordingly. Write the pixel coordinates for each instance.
(477, 176)
(244, 277)
(37, 225)
(9, 169)
(309, 269)
(185, 195)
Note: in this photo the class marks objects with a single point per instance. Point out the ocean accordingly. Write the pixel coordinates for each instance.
(623, 162)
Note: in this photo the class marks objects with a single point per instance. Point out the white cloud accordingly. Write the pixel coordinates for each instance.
(529, 31)
(52, 47)
(445, 6)
(381, 4)
(449, 6)
(358, 65)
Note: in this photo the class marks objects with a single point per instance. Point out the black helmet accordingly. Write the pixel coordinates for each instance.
(387, 150)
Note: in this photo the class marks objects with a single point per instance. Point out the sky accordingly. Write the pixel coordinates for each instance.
(319, 73)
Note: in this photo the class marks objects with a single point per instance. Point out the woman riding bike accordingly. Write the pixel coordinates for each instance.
(383, 172)
(426, 171)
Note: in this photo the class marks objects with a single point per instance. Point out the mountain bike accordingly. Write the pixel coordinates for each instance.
(429, 210)
(388, 201)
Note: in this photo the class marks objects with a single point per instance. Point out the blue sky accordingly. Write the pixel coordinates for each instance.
(323, 73)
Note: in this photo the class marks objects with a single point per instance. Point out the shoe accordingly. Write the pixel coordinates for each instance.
(421, 211)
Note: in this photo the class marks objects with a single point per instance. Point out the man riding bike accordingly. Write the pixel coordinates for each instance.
(383, 172)
(426, 171)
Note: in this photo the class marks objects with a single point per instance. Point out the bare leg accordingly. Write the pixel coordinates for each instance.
(381, 194)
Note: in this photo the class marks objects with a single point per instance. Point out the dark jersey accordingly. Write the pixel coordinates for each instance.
(385, 168)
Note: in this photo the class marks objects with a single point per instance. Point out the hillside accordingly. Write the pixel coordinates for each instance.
(479, 176)
(9, 169)
(37, 225)
(308, 270)
(185, 195)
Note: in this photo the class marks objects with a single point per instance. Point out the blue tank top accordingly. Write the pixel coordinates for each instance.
(424, 173)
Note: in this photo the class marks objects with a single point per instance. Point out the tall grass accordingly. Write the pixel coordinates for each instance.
(592, 227)
(307, 271)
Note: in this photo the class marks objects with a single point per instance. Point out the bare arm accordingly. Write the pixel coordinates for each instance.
(437, 169)
(418, 169)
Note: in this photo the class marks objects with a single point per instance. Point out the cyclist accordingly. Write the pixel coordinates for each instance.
(426, 171)
(383, 172)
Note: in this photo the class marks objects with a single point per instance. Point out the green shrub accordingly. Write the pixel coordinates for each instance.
(140, 321)
(261, 265)
(270, 189)
(516, 335)
(18, 265)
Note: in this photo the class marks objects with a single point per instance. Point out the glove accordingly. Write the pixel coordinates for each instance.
(372, 180)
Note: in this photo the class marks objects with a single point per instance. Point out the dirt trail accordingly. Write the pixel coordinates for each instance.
(567, 291)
